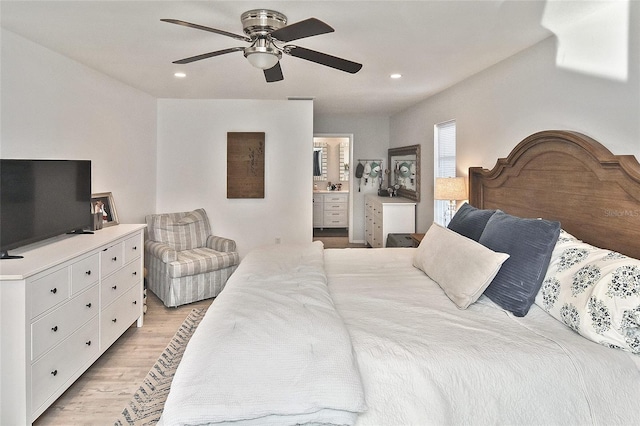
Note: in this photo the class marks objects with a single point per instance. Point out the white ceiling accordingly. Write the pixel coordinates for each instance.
(433, 44)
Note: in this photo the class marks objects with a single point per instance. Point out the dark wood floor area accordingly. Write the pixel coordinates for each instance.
(335, 238)
(338, 242)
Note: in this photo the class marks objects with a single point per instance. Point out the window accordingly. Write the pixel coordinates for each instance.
(444, 163)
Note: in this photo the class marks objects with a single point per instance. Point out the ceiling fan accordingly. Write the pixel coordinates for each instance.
(267, 31)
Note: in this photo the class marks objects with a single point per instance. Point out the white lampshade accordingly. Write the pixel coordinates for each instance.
(453, 188)
(262, 60)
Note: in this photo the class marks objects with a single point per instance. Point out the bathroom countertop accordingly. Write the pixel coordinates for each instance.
(324, 191)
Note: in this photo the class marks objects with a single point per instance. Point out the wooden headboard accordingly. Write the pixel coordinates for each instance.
(569, 177)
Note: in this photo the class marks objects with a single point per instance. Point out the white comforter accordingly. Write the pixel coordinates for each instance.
(260, 355)
(271, 350)
(424, 361)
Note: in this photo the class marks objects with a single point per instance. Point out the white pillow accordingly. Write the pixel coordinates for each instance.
(460, 265)
(595, 292)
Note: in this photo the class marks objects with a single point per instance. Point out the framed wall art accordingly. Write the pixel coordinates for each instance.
(245, 164)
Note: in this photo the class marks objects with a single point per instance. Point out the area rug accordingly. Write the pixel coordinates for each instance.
(147, 403)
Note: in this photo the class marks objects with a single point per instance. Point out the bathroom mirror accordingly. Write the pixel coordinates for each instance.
(344, 161)
(404, 171)
(319, 161)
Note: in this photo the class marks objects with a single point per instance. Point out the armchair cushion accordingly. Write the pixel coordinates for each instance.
(201, 260)
(186, 232)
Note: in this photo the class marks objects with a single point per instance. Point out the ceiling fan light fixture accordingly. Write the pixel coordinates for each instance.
(262, 54)
(262, 60)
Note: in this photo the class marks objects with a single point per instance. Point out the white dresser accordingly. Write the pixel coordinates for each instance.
(330, 209)
(385, 215)
(61, 307)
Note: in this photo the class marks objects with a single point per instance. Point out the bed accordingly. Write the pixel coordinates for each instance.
(304, 335)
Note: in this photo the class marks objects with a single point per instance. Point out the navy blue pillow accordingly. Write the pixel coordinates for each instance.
(529, 243)
(470, 221)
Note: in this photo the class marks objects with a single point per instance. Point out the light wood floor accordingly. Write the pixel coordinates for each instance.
(100, 394)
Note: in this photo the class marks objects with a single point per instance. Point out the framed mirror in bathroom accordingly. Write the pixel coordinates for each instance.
(344, 161)
(319, 161)
(404, 171)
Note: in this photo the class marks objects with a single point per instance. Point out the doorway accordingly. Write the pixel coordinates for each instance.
(335, 168)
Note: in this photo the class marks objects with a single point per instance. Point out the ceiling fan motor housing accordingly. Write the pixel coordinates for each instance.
(260, 22)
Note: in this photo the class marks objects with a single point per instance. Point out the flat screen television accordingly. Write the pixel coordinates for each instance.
(40, 199)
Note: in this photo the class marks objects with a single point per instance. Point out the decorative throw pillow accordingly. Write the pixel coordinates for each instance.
(595, 292)
(470, 221)
(529, 242)
(462, 267)
(187, 233)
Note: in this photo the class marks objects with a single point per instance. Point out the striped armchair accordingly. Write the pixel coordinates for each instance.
(185, 263)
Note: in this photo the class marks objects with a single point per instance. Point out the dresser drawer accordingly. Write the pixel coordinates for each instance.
(117, 284)
(118, 316)
(336, 198)
(335, 206)
(377, 236)
(111, 259)
(335, 218)
(84, 273)
(318, 198)
(56, 326)
(132, 249)
(49, 290)
(54, 369)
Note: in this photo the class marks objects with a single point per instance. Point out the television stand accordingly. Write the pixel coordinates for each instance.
(5, 255)
(88, 288)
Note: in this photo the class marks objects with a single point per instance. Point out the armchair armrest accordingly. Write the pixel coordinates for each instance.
(161, 251)
(221, 243)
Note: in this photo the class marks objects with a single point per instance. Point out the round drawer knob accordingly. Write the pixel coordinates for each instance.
(88, 343)
(115, 320)
(54, 372)
(88, 272)
(89, 305)
(54, 290)
(114, 287)
(114, 258)
(54, 328)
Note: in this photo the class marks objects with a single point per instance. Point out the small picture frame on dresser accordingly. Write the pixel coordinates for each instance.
(103, 209)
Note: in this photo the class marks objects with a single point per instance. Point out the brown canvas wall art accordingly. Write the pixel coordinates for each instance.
(245, 164)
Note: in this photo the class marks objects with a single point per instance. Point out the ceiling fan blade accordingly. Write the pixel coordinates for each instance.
(203, 28)
(307, 28)
(208, 55)
(274, 73)
(323, 59)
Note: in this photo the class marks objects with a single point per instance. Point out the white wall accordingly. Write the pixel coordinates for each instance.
(192, 167)
(370, 140)
(526, 93)
(54, 107)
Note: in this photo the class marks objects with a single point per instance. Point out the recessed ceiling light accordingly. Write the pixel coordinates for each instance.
(396, 76)
(180, 75)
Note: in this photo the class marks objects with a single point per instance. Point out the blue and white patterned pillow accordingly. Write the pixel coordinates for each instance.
(595, 292)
